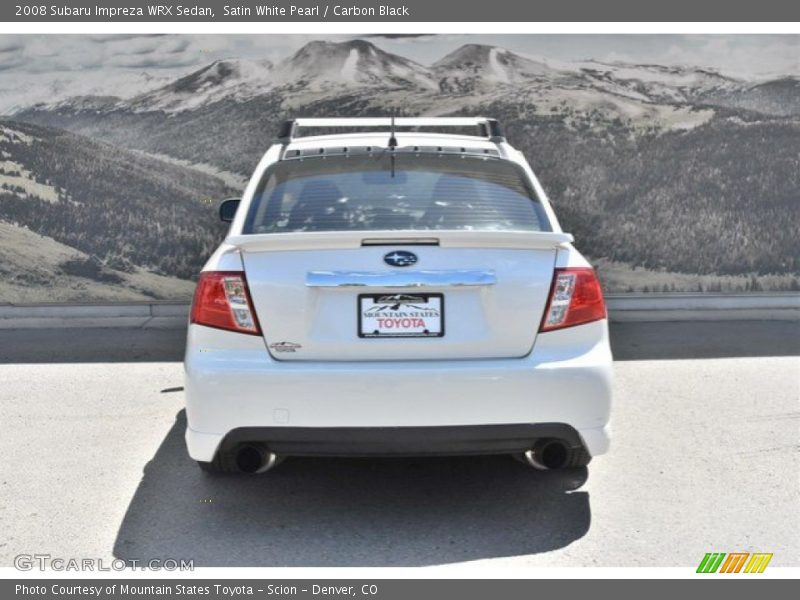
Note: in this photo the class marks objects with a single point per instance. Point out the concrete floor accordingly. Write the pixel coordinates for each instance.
(705, 457)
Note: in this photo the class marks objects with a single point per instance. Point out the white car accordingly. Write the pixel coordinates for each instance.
(395, 293)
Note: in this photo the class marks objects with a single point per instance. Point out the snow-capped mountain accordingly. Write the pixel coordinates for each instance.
(320, 64)
(658, 82)
(29, 89)
(317, 66)
(223, 78)
(473, 73)
(474, 66)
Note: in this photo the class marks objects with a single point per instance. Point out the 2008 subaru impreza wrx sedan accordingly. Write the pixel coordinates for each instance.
(394, 292)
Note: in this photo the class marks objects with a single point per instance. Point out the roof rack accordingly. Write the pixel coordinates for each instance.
(487, 128)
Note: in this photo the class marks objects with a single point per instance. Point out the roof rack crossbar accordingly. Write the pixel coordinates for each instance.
(487, 128)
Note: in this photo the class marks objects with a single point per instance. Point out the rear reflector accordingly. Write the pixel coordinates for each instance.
(222, 300)
(575, 298)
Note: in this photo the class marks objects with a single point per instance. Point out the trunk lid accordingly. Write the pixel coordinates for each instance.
(490, 288)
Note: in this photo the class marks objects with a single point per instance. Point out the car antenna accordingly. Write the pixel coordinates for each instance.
(392, 138)
(392, 142)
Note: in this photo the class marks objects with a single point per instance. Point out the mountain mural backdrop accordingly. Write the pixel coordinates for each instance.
(670, 178)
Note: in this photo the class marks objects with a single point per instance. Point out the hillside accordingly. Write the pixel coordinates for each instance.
(36, 268)
(714, 199)
(125, 210)
(778, 97)
(674, 169)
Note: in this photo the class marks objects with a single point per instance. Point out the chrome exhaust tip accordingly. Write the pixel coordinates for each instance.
(547, 454)
(255, 459)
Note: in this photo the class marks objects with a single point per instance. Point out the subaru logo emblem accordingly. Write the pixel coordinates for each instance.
(400, 258)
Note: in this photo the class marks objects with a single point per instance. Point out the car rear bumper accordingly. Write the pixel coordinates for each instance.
(235, 392)
(399, 441)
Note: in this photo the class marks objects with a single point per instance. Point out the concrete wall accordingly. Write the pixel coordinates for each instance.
(625, 307)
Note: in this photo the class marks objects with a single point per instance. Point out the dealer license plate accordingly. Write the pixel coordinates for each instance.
(400, 315)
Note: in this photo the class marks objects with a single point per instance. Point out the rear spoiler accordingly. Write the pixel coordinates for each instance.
(486, 128)
(333, 240)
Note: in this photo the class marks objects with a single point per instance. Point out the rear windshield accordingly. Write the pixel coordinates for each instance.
(404, 192)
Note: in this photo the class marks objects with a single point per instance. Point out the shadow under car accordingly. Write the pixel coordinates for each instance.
(350, 512)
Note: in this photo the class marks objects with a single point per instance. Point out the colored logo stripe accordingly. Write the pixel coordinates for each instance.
(711, 562)
(734, 562)
(758, 562)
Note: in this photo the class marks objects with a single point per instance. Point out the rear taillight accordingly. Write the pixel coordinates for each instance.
(222, 300)
(575, 298)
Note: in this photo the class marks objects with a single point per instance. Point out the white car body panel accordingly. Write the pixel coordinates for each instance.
(494, 321)
(232, 382)
(495, 371)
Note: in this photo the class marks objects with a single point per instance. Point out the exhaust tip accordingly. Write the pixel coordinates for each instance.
(548, 454)
(252, 458)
